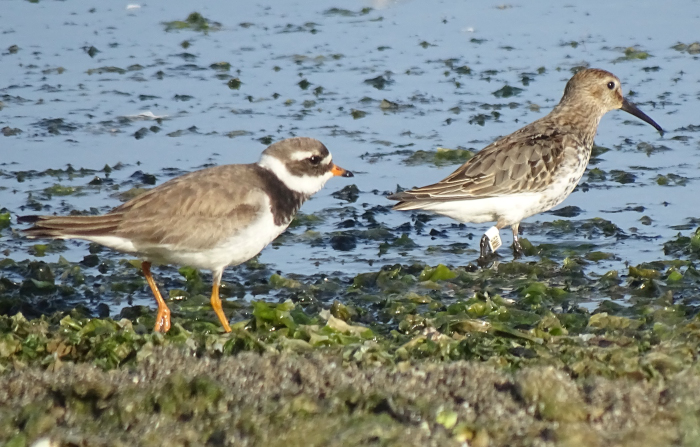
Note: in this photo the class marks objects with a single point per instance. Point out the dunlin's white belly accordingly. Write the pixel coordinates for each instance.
(510, 209)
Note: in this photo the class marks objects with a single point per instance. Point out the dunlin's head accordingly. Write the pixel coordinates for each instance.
(602, 91)
(303, 164)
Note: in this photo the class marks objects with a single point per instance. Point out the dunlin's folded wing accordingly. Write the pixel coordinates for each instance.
(522, 162)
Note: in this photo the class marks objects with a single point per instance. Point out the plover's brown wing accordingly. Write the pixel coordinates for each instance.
(524, 161)
(196, 211)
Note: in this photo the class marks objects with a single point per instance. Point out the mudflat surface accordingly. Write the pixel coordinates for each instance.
(176, 398)
(359, 325)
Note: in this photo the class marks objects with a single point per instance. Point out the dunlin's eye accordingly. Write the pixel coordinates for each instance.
(611, 85)
(315, 159)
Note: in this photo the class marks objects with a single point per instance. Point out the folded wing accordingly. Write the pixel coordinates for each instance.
(190, 212)
(515, 164)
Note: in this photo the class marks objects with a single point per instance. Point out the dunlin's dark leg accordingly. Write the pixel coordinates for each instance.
(490, 242)
(517, 248)
(163, 315)
(483, 251)
(216, 301)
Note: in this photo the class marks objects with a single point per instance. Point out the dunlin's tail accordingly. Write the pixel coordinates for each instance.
(413, 200)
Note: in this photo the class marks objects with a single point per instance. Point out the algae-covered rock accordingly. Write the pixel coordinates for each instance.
(552, 395)
(319, 398)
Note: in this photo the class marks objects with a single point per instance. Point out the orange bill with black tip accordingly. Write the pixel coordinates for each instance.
(338, 171)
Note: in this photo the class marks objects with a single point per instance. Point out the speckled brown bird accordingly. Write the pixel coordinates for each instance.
(531, 170)
(208, 219)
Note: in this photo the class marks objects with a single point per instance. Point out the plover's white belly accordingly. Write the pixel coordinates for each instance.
(233, 250)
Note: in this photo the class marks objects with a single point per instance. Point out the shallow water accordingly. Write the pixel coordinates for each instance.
(421, 48)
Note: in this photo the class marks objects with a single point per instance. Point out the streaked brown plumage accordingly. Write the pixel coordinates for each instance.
(207, 219)
(532, 169)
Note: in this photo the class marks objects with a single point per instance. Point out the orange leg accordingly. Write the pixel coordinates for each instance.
(216, 301)
(163, 315)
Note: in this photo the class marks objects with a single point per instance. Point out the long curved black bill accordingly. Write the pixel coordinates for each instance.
(633, 110)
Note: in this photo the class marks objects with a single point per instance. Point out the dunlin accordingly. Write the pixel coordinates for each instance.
(208, 219)
(531, 170)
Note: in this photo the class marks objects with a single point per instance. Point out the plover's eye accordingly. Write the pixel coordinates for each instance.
(315, 159)
(611, 85)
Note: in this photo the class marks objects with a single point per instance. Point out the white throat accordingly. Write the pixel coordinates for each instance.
(304, 184)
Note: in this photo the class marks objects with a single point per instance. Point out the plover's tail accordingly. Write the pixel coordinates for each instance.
(67, 227)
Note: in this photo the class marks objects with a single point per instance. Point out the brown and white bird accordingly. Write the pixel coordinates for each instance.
(531, 170)
(208, 219)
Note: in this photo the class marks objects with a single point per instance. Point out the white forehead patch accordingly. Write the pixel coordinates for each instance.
(301, 155)
(305, 155)
(304, 184)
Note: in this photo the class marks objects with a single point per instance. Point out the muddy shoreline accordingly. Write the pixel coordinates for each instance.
(174, 397)
(357, 326)
(407, 355)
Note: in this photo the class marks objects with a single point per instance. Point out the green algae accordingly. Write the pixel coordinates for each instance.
(400, 243)
(195, 22)
(379, 82)
(306, 220)
(309, 399)
(482, 118)
(349, 193)
(692, 48)
(426, 307)
(440, 157)
(5, 220)
(549, 314)
(357, 114)
(346, 12)
(622, 177)
(61, 190)
(507, 91)
(438, 273)
(220, 66)
(684, 245)
(552, 394)
(525, 326)
(631, 54)
(596, 175)
(523, 320)
(671, 180)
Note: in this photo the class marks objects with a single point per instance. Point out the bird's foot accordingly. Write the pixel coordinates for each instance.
(162, 320)
(486, 254)
(485, 261)
(518, 251)
(483, 247)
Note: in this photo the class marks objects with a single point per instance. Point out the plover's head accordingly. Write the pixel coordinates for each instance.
(303, 164)
(603, 91)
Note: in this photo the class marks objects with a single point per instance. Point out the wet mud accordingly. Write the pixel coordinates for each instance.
(358, 325)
